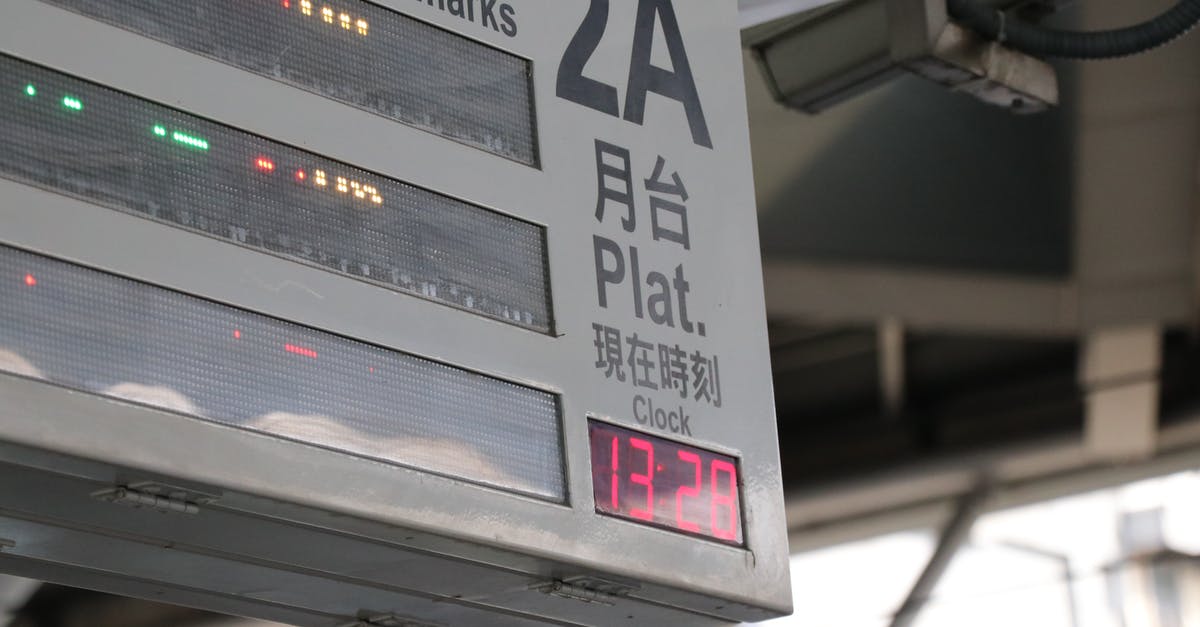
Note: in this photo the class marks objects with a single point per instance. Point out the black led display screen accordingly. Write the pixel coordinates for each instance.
(100, 333)
(84, 140)
(357, 53)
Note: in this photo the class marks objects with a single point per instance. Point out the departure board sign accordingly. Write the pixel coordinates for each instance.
(387, 312)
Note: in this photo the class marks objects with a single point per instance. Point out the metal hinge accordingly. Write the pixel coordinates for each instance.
(154, 495)
(588, 589)
(388, 620)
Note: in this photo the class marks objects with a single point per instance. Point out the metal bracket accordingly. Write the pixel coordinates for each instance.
(159, 496)
(588, 589)
(5, 543)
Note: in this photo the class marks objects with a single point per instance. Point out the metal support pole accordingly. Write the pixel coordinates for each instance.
(953, 535)
(891, 366)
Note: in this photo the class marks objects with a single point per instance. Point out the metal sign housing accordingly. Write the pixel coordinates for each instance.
(642, 185)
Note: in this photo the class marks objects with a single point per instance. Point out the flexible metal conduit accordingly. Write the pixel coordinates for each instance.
(1048, 42)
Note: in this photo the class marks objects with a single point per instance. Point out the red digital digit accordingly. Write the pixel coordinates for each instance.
(688, 491)
(646, 479)
(704, 484)
(616, 449)
(724, 501)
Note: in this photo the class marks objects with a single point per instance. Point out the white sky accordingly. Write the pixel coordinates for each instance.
(991, 583)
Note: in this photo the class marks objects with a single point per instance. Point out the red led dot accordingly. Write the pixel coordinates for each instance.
(300, 350)
(264, 164)
(30, 280)
(237, 334)
(300, 175)
(287, 4)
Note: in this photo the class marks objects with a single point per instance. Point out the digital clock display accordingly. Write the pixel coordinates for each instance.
(125, 153)
(357, 53)
(655, 481)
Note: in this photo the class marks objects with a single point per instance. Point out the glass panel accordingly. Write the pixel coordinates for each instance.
(357, 53)
(84, 140)
(104, 334)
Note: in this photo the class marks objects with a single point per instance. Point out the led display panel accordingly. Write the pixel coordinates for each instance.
(357, 53)
(128, 154)
(100, 333)
(655, 481)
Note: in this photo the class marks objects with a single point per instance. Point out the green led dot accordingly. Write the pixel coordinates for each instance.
(188, 140)
(72, 103)
(160, 131)
(30, 90)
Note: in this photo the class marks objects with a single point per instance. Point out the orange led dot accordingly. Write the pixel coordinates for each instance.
(300, 175)
(30, 280)
(265, 164)
(327, 14)
(345, 20)
(306, 7)
(362, 27)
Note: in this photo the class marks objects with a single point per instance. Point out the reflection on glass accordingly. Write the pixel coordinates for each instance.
(444, 455)
(153, 395)
(16, 364)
